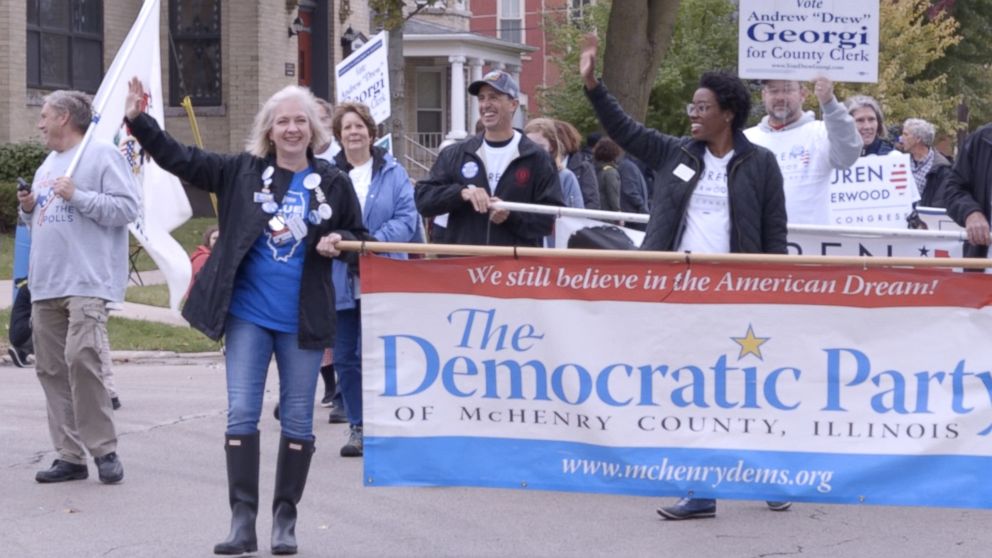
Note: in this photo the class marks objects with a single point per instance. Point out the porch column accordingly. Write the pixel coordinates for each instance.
(457, 98)
(520, 118)
(475, 74)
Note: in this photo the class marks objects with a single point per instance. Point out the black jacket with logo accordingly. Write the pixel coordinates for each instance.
(530, 178)
(236, 179)
(758, 222)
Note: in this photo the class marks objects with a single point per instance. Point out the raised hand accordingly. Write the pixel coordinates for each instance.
(587, 60)
(134, 104)
(823, 88)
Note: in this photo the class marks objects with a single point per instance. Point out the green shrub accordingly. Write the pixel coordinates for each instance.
(8, 206)
(20, 159)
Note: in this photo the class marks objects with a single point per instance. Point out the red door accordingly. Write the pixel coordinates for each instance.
(305, 46)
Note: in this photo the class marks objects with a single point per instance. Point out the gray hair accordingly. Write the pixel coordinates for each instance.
(920, 128)
(258, 143)
(76, 104)
(864, 101)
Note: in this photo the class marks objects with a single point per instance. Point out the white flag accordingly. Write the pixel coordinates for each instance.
(164, 203)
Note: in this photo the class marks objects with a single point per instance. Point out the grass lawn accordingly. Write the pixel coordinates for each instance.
(152, 295)
(137, 335)
(189, 235)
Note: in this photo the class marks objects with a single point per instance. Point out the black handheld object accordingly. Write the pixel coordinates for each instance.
(23, 185)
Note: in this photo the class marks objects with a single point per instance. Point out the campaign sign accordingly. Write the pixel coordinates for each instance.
(803, 39)
(875, 192)
(364, 77)
(759, 382)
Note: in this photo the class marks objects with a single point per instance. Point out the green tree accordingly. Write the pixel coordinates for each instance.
(566, 100)
(968, 64)
(910, 42)
(688, 57)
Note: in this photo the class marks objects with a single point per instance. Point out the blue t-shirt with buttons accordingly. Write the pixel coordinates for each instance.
(267, 285)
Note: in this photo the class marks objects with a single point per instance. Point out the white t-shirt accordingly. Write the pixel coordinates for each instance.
(707, 220)
(361, 178)
(803, 155)
(497, 159)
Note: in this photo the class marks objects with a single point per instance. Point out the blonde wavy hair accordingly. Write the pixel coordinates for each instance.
(546, 128)
(258, 143)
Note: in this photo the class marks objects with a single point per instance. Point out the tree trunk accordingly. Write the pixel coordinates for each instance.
(397, 86)
(637, 38)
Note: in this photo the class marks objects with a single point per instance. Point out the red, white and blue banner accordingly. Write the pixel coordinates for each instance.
(776, 382)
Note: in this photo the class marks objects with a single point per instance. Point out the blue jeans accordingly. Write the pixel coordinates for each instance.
(249, 349)
(348, 361)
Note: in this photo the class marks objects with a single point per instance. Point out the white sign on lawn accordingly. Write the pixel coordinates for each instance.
(364, 77)
(803, 39)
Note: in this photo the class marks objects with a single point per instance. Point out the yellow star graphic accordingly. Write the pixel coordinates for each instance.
(750, 344)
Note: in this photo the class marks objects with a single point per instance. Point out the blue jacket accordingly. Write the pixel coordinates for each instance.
(389, 215)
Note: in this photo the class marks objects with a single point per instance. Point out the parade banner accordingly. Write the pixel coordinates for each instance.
(774, 382)
(364, 77)
(876, 191)
(803, 39)
(164, 203)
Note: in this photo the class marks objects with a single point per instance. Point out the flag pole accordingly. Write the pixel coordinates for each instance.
(187, 104)
(687, 258)
(146, 10)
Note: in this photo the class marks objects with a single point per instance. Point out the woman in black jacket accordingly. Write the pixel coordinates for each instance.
(715, 192)
(266, 287)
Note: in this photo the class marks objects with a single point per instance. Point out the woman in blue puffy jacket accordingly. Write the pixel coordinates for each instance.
(385, 193)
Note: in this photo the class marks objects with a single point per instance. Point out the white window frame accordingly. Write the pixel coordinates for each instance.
(522, 6)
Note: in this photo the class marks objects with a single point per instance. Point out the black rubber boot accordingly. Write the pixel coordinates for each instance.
(242, 485)
(291, 479)
(330, 384)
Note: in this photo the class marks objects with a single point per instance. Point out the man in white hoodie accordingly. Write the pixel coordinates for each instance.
(807, 149)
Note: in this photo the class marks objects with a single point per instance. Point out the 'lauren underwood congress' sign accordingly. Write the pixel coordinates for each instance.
(801, 39)
(754, 382)
(364, 77)
(875, 192)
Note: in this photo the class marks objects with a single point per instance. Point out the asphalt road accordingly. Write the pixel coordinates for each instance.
(173, 500)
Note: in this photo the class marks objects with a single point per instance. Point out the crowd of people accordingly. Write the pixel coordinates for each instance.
(271, 281)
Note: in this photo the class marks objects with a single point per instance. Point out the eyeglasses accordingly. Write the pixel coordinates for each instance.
(693, 110)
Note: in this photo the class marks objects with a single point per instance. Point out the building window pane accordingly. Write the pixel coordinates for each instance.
(54, 14)
(429, 90)
(511, 21)
(33, 11)
(87, 16)
(195, 58)
(65, 44)
(86, 69)
(55, 56)
(34, 57)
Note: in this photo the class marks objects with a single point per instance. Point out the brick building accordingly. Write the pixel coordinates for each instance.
(229, 56)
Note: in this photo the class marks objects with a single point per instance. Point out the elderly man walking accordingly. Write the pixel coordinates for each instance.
(78, 264)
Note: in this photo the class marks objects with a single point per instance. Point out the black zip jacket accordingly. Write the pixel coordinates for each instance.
(585, 173)
(235, 179)
(758, 222)
(967, 187)
(530, 178)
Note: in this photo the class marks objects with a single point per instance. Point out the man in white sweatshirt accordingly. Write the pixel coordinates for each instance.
(807, 149)
(78, 265)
